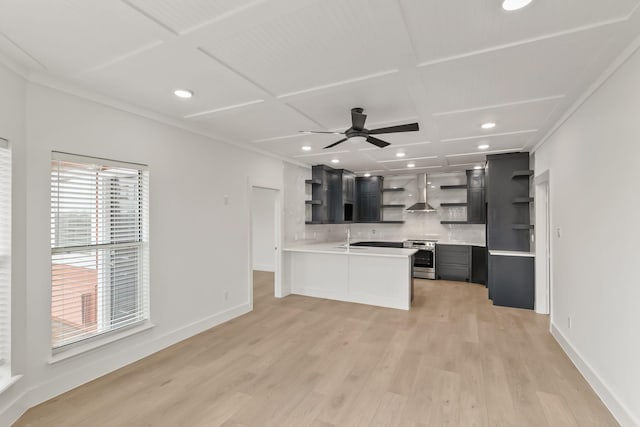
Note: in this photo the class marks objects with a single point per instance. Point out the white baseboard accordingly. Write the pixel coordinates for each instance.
(621, 413)
(264, 267)
(72, 379)
(14, 410)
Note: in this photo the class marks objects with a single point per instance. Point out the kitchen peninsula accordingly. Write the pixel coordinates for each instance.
(379, 276)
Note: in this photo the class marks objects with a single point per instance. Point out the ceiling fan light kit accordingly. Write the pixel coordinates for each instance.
(358, 133)
(357, 139)
(511, 5)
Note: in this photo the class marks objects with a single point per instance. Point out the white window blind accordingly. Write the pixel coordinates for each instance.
(99, 247)
(5, 258)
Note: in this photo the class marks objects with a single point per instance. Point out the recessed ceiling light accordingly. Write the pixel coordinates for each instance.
(477, 167)
(183, 93)
(335, 161)
(483, 146)
(510, 5)
(400, 154)
(488, 125)
(367, 175)
(428, 182)
(411, 165)
(306, 148)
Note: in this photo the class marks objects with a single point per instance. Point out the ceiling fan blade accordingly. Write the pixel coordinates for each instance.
(357, 118)
(336, 143)
(378, 142)
(321, 131)
(410, 127)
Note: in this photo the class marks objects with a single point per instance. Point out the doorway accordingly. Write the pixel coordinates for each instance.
(543, 292)
(265, 244)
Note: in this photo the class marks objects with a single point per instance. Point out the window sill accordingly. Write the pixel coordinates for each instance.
(5, 384)
(81, 349)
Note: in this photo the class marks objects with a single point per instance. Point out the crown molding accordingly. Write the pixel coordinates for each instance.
(49, 81)
(591, 90)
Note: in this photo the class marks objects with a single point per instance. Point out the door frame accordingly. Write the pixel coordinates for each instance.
(278, 240)
(544, 281)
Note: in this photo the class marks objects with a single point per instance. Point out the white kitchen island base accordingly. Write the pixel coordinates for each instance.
(374, 276)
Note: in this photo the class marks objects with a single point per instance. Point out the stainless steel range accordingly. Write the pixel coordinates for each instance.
(424, 263)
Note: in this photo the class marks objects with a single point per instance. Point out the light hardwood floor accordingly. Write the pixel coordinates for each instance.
(454, 359)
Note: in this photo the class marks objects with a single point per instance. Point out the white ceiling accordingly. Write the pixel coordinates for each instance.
(262, 70)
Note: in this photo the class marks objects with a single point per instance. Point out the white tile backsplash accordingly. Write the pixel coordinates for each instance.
(418, 225)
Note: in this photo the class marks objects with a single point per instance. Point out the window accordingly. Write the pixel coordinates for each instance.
(99, 247)
(5, 260)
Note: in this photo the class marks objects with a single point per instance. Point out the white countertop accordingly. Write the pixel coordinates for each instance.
(337, 249)
(512, 253)
(444, 242)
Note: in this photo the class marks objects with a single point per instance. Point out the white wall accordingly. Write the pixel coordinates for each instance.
(263, 204)
(593, 159)
(12, 127)
(198, 245)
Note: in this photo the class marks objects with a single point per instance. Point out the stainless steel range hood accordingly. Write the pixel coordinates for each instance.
(422, 205)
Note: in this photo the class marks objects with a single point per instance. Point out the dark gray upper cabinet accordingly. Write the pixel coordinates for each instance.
(369, 198)
(476, 197)
(335, 196)
(507, 222)
(348, 186)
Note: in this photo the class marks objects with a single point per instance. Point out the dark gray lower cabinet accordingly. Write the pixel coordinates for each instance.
(511, 281)
(453, 262)
(479, 264)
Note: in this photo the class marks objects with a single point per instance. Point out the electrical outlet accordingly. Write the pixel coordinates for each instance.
(569, 322)
(226, 199)
(558, 231)
(226, 295)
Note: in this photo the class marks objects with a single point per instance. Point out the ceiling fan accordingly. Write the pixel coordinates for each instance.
(357, 130)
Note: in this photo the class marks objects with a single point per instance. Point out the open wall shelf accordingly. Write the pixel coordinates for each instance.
(313, 202)
(394, 206)
(453, 187)
(393, 189)
(453, 205)
(313, 181)
(523, 200)
(522, 226)
(521, 174)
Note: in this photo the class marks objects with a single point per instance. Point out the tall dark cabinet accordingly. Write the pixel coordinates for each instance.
(508, 221)
(511, 267)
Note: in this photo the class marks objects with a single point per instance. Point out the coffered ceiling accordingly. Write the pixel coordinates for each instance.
(262, 70)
